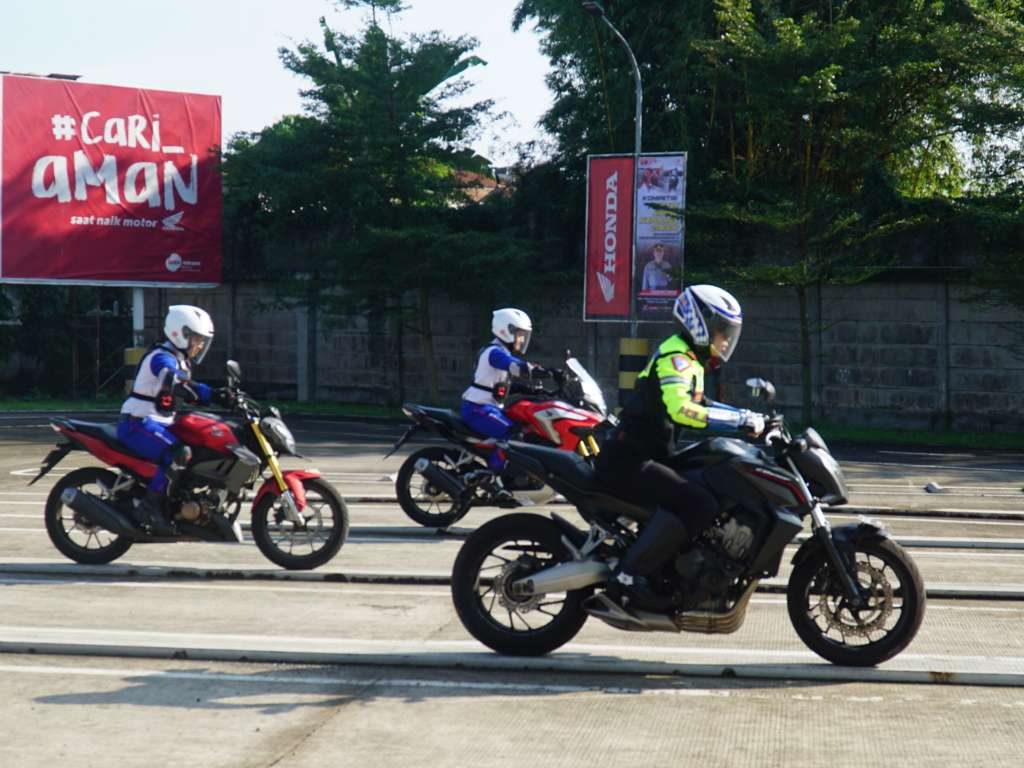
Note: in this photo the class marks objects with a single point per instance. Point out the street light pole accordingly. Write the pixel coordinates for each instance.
(597, 11)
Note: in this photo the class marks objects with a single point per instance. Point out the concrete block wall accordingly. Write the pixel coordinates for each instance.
(882, 350)
(908, 355)
(262, 341)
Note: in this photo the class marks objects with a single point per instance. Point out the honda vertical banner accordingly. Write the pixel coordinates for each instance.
(607, 291)
(108, 185)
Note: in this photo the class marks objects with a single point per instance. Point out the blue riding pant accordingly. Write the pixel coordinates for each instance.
(488, 420)
(151, 440)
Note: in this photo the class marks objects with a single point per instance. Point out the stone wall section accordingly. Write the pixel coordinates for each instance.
(908, 355)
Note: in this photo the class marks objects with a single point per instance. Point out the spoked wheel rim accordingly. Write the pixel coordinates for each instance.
(79, 532)
(313, 534)
(505, 563)
(886, 585)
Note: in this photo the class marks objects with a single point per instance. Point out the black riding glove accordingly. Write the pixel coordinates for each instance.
(224, 397)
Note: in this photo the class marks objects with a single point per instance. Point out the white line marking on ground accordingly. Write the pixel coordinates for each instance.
(342, 590)
(132, 675)
(363, 645)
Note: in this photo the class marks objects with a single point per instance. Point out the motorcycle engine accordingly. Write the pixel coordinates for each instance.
(716, 560)
(197, 506)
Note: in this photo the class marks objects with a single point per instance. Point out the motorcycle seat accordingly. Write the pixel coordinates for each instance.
(567, 465)
(451, 421)
(106, 433)
(572, 476)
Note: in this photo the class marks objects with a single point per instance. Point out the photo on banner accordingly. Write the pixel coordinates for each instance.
(661, 201)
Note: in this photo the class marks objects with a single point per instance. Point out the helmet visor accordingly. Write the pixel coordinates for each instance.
(724, 335)
(198, 344)
(520, 339)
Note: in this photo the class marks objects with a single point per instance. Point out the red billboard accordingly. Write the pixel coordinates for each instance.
(609, 273)
(101, 184)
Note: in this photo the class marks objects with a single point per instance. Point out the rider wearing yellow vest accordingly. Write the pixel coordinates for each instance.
(669, 397)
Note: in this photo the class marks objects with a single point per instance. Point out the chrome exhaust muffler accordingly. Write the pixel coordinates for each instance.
(563, 577)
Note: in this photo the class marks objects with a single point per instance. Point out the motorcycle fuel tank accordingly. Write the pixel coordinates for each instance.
(204, 431)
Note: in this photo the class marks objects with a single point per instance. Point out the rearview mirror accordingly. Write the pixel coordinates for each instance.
(234, 373)
(762, 388)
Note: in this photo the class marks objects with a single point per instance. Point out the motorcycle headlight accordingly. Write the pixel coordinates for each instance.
(278, 434)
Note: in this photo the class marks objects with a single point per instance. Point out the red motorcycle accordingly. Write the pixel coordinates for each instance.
(436, 486)
(299, 521)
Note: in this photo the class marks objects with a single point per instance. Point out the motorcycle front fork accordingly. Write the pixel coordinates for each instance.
(822, 529)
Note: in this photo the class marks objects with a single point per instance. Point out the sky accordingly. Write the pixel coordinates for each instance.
(229, 48)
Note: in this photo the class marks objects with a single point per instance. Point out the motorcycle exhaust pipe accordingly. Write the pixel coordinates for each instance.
(439, 478)
(98, 512)
(562, 578)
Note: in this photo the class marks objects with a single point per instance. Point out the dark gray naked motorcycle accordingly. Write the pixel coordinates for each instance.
(524, 584)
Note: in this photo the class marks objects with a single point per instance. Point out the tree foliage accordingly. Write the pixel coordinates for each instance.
(364, 203)
(827, 139)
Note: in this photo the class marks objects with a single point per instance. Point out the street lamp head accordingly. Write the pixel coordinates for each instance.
(594, 9)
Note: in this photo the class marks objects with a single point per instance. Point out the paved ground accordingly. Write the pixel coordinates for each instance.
(305, 669)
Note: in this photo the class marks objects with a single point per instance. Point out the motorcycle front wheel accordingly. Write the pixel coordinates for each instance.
(865, 636)
(73, 535)
(498, 553)
(306, 545)
(423, 503)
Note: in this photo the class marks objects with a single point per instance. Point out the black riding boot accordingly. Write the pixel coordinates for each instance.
(150, 513)
(662, 537)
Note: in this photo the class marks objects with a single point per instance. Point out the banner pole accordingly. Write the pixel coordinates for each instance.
(138, 316)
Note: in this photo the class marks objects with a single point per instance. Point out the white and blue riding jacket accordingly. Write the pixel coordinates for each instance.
(494, 365)
(152, 391)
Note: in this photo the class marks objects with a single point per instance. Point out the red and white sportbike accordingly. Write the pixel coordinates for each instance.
(438, 485)
(299, 521)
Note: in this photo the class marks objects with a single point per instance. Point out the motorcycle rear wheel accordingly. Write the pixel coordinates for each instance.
(423, 503)
(99, 546)
(497, 553)
(875, 633)
(326, 523)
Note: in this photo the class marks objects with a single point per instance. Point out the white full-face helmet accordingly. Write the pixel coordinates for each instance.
(190, 330)
(711, 319)
(513, 327)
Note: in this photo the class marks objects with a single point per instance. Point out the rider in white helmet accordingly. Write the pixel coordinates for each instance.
(165, 372)
(495, 365)
(669, 396)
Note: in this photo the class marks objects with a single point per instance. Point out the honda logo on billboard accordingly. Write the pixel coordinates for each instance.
(109, 185)
(609, 237)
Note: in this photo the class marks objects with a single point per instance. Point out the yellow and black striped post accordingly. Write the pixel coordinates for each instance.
(132, 356)
(633, 355)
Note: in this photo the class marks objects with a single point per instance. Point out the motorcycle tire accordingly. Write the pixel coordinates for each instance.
(108, 546)
(818, 611)
(428, 506)
(271, 529)
(531, 543)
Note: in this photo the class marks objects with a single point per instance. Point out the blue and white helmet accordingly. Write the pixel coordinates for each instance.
(711, 318)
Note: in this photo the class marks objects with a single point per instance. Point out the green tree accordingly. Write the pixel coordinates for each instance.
(363, 204)
(822, 136)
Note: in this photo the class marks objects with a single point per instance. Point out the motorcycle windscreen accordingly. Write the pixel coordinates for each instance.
(591, 391)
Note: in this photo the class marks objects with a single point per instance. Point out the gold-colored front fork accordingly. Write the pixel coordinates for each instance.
(291, 510)
(268, 452)
(587, 447)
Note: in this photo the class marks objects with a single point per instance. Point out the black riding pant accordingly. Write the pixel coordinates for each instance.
(645, 482)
